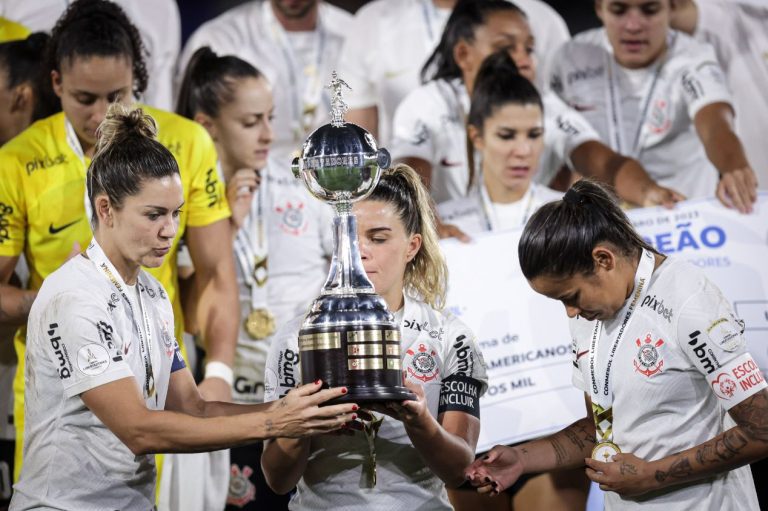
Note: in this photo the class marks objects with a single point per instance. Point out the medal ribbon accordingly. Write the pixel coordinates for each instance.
(371, 431)
(602, 400)
(251, 246)
(304, 106)
(489, 210)
(613, 110)
(99, 258)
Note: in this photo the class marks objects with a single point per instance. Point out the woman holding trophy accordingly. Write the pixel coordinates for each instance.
(411, 450)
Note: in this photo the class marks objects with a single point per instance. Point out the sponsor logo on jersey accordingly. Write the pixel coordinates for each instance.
(412, 324)
(241, 490)
(705, 355)
(107, 339)
(445, 162)
(421, 363)
(649, 360)
(60, 352)
(566, 126)
(245, 386)
(169, 342)
(92, 359)
(212, 188)
(421, 135)
(464, 354)
(112, 302)
(287, 362)
(292, 217)
(588, 73)
(46, 162)
(53, 230)
(726, 332)
(657, 305)
(5, 211)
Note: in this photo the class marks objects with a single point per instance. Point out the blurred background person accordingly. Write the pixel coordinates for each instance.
(159, 24)
(659, 96)
(283, 236)
(296, 45)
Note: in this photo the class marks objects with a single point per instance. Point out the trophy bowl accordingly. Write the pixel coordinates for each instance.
(349, 337)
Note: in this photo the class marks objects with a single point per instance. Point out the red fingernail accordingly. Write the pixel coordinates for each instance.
(354, 408)
(344, 390)
(354, 416)
(318, 382)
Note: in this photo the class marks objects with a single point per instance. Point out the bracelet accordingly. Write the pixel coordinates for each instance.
(216, 369)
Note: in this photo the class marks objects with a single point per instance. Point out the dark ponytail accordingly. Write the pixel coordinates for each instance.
(24, 62)
(209, 82)
(98, 28)
(464, 20)
(127, 153)
(499, 83)
(558, 239)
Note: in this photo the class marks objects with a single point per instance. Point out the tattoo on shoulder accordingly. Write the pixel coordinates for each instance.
(752, 416)
(680, 469)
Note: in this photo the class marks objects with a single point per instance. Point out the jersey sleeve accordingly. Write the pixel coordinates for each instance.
(82, 344)
(412, 135)
(282, 371)
(207, 203)
(712, 338)
(568, 128)
(703, 81)
(465, 373)
(13, 210)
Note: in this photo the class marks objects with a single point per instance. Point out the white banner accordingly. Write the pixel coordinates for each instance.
(524, 336)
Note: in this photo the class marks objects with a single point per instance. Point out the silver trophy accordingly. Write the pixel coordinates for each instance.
(349, 338)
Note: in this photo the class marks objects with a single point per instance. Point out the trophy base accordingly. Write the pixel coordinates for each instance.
(361, 395)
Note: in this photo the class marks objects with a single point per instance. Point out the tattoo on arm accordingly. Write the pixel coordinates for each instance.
(752, 416)
(561, 455)
(680, 468)
(722, 449)
(269, 425)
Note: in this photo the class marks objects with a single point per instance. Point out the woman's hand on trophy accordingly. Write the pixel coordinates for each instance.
(300, 413)
(240, 189)
(411, 412)
(495, 471)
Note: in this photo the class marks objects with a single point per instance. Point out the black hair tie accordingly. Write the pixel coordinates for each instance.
(573, 197)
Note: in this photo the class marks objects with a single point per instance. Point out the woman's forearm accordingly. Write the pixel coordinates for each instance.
(283, 462)
(445, 453)
(562, 450)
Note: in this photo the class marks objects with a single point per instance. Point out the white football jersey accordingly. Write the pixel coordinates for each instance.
(681, 364)
(655, 106)
(436, 346)
(81, 335)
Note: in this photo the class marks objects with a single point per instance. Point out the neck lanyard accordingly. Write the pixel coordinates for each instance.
(74, 143)
(604, 396)
(615, 123)
(102, 262)
(251, 246)
(489, 208)
(303, 104)
(429, 15)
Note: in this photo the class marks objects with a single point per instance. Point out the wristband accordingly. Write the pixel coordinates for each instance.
(216, 369)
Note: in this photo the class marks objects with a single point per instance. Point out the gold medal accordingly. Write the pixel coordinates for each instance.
(260, 324)
(604, 451)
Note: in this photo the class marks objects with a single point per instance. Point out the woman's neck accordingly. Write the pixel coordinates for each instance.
(500, 194)
(128, 269)
(394, 299)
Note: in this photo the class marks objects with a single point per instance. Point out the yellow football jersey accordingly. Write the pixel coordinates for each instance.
(12, 31)
(42, 207)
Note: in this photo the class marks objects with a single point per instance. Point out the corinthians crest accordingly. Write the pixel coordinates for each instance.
(648, 360)
(423, 363)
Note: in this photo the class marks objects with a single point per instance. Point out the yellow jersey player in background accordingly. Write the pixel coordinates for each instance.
(96, 58)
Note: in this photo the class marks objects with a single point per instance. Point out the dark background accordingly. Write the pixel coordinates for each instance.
(578, 14)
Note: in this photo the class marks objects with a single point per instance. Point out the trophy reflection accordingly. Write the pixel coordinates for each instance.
(349, 337)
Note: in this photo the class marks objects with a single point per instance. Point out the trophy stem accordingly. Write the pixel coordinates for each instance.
(347, 275)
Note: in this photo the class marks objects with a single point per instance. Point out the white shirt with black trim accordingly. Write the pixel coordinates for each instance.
(81, 335)
(430, 125)
(681, 365)
(299, 230)
(668, 145)
(245, 32)
(435, 346)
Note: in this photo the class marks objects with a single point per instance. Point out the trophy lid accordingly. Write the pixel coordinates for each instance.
(340, 161)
